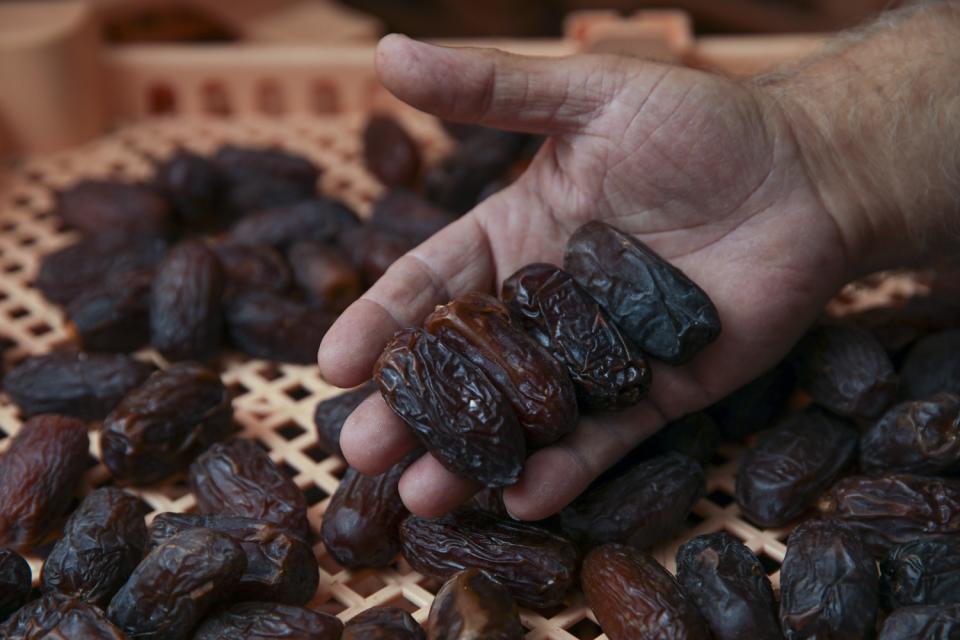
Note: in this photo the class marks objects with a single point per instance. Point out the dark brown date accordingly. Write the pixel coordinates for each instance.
(643, 507)
(655, 304)
(405, 213)
(930, 367)
(478, 327)
(389, 152)
(15, 581)
(489, 500)
(194, 186)
(901, 323)
(634, 597)
(161, 426)
(471, 605)
(238, 478)
(789, 466)
(252, 266)
(695, 435)
(452, 407)
(59, 617)
(83, 385)
(280, 566)
(728, 585)
(921, 437)
(895, 509)
(98, 206)
(538, 567)
(846, 370)
(383, 623)
(608, 372)
(934, 622)
(114, 316)
(326, 274)
(754, 406)
(828, 584)
(318, 219)
(92, 262)
(39, 474)
(186, 316)
(332, 413)
(921, 572)
(275, 327)
(241, 164)
(373, 251)
(177, 584)
(103, 542)
(360, 525)
(269, 621)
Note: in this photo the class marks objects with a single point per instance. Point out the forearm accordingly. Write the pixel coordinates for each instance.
(877, 120)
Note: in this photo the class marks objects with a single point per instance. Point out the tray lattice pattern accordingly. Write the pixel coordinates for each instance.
(274, 403)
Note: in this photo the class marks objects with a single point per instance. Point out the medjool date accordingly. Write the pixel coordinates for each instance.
(176, 584)
(59, 617)
(931, 366)
(608, 372)
(921, 572)
(471, 605)
(538, 567)
(452, 407)
(383, 623)
(274, 327)
(238, 478)
(194, 185)
(754, 406)
(39, 473)
(934, 622)
(186, 319)
(634, 597)
(373, 251)
(318, 219)
(789, 466)
(642, 507)
(95, 206)
(280, 566)
(727, 583)
(240, 164)
(846, 370)
(895, 509)
(405, 213)
(326, 274)
(165, 423)
(655, 304)
(103, 542)
(921, 437)
(114, 316)
(478, 327)
(83, 385)
(15, 580)
(269, 621)
(389, 152)
(828, 584)
(332, 413)
(252, 266)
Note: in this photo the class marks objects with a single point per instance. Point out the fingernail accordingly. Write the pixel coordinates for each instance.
(511, 514)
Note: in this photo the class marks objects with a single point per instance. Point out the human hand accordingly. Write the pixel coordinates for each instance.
(704, 170)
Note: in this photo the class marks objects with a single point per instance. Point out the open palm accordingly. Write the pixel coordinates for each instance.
(702, 169)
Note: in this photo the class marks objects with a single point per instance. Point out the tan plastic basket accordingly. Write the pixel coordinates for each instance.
(323, 96)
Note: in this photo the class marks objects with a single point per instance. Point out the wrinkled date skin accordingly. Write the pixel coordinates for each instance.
(470, 606)
(59, 617)
(406, 213)
(930, 367)
(161, 426)
(538, 567)
(478, 327)
(360, 525)
(895, 509)
(275, 327)
(83, 385)
(318, 219)
(194, 185)
(15, 582)
(389, 152)
(92, 262)
(280, 566)
(331, 414)
(789, 466)
(114, 316)
(258, 178)
(383, 623)
(921, 437)
(186, 317)
(326, 274)
(828, 584)
(634, 597)
(176, 584)
(269, 621)
(727, 583)
(103, 542)
(452, 407)
(252, 266)
(39, 473)
(373, 251)
(608, 372)
(655, 304)
(846, 370)
(754, 406)
(238, 478)
(642, 507)
(921, 572)
(97, 206)
(930, 622)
